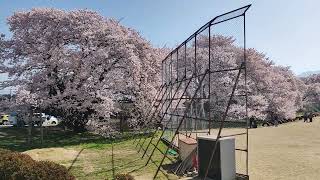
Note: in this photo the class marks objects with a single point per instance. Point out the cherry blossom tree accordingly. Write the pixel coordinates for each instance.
(272, 90)
(280, 88)
(79, 64)
(311, 96)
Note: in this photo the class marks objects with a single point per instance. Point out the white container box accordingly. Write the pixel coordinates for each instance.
(223, 165)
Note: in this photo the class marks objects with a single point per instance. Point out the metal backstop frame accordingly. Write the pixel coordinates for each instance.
(203, 91)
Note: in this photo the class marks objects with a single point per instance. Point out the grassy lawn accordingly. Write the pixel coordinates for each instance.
(87, 156)
(289, 151)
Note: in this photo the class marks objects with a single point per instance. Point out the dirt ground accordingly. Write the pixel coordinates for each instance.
(52, 154)
(290, 151)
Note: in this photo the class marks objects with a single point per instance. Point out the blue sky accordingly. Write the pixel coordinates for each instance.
(287, 31)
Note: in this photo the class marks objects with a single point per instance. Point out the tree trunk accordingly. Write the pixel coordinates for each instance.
(41, 130)
(79, 128)
(121, 124)
(29, 129)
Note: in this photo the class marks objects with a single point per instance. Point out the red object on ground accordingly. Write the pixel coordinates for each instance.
(195, 161)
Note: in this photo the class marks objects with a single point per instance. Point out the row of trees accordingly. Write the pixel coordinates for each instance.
(272, 90)
(79, 65)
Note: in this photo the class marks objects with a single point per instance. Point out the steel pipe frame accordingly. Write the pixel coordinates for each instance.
(176, 80)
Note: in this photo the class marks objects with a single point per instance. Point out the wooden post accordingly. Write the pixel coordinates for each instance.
(112, 159)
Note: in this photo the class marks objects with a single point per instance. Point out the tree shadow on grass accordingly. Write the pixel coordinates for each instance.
(107, 171)
(123, 166)
(75, 159)
(15, 139)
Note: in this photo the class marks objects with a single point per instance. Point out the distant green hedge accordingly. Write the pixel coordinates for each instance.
(17, 166)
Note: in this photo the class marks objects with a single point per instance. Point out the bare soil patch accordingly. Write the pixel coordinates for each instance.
(53, 154)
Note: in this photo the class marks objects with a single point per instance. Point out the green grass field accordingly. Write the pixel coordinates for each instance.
(287, 152)
(86, 155)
